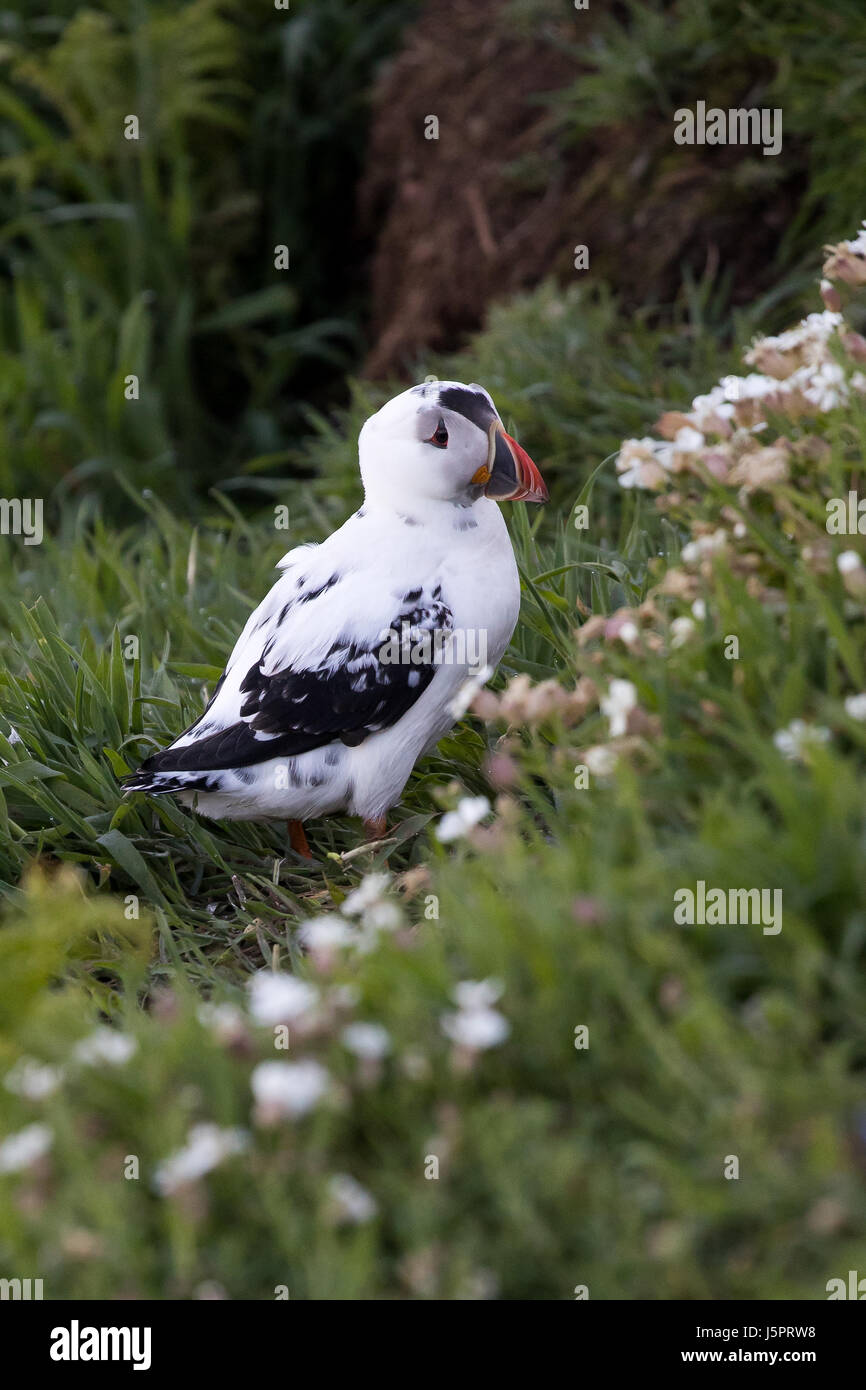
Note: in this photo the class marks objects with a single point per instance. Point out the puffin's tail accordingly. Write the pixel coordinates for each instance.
(158, 781)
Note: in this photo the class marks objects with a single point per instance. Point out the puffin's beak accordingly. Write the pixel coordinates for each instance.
(513, 477)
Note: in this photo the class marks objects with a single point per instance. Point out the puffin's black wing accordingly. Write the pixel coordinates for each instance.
(357, 690)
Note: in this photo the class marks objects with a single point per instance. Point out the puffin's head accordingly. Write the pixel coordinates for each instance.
(444, 441)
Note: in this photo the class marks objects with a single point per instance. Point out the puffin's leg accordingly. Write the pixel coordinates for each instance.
(298, 839)
(375, 829)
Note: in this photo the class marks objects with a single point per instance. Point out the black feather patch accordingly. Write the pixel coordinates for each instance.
(356, 692)
(473, 403)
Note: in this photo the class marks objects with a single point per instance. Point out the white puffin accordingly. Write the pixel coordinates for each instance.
(348, 670)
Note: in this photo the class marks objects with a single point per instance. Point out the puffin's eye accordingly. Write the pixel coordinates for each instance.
(439, 437)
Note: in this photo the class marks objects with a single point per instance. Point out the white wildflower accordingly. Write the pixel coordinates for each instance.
(682, 629)
(225, 1020)
(848, 562)
(352, 1202)
(478, 994)
(370, 891)
(476, 1024)
(616, 705)
(370, 1041)
(384, 916)
(24, 1148)
(823, 386)
(278, 998)
(288, 1088)
(600, 760)
(206, 1146)
(31, 1079)
(476, 1029)
(795, 741)
(644, 462)
(858, 244)
(696, 550)
(814, 330)
(708, 410)
(105, 1045)
(855, 706)
(688, 440)
(327, 933)
(455, 824)
(752, 387)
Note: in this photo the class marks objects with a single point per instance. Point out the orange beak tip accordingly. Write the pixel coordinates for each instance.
(532, 486)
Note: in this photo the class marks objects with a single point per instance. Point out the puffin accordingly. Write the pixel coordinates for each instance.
(352, 667)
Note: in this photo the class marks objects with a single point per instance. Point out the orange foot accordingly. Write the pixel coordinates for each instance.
(298, 839)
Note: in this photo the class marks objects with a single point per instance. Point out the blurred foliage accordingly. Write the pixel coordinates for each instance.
(557, 1167)
(644, 59)
(155, 256)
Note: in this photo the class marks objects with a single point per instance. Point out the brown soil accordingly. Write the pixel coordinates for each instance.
(500, 201)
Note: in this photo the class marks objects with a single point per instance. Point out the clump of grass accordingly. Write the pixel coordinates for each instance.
(154, 256)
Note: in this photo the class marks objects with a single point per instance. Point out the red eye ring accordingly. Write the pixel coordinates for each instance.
(439, 437)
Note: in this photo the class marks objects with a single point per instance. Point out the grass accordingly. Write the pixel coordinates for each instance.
(155, 256)
(560, 1165)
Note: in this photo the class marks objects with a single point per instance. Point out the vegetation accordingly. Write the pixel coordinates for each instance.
(650, 57)
(480, 1058)
(155, 256)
